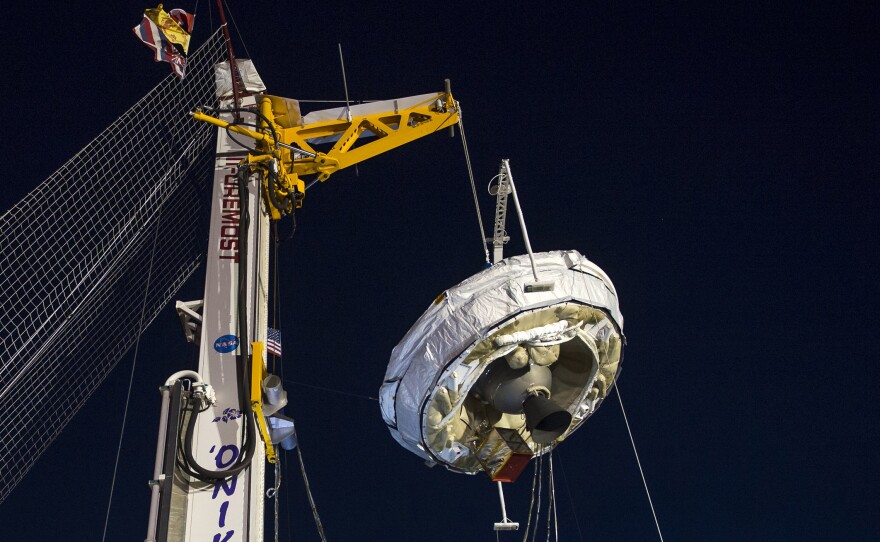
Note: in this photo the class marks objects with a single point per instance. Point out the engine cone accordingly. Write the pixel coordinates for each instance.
(545, 419)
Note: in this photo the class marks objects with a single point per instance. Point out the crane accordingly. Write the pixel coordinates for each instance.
(285, 141)
(221, 425)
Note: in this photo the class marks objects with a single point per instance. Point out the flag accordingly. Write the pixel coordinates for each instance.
(273, 342)
(163, 50)
(184, 19)
(170, 25)
(157, 40)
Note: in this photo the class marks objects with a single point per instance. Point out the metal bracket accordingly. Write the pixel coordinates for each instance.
(190, 316)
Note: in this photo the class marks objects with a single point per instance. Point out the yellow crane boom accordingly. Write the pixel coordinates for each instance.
(285, 142)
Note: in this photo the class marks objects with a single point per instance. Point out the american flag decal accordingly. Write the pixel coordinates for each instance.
(273, 342)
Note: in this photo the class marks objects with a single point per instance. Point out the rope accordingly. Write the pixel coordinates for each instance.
(532, 502)
(276, 317)
(275, 493)
(237, 31)
(331, 390)
(275, 296)
(276, 313)
(287, 508)
(131, 376)
(551, 504)
(273, 368)
(467, 158)
(344, 84)
(302, 469)
(195, 10)
(570, 499)
(540, 487)
(642, 472)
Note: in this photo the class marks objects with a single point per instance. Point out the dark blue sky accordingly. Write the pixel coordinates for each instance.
(718, 162)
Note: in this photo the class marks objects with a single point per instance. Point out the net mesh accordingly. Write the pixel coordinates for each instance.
(76, 256)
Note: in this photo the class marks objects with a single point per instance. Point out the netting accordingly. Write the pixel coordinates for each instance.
(75, 256)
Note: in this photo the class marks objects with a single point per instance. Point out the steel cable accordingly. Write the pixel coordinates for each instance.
(641, 471)
(470, 169)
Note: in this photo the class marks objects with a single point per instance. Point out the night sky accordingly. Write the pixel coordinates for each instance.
(718, 162)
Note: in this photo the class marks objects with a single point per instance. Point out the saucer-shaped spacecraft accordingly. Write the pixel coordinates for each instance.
(503, 367)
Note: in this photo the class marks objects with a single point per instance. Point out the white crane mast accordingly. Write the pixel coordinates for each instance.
(233, 317)
(232, 509)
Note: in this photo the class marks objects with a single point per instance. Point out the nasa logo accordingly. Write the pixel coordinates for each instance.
(226, 343)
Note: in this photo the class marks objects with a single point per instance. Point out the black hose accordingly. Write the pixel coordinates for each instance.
(273, 197)
(252, 110)
(272, 178)
(245, 457)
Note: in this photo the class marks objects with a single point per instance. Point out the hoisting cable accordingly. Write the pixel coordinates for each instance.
(302, 467)
(131, 377)
(467, 158)
(272, 369)
(275, 297)
(276, 323)
(237, 31)
(642, 472)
